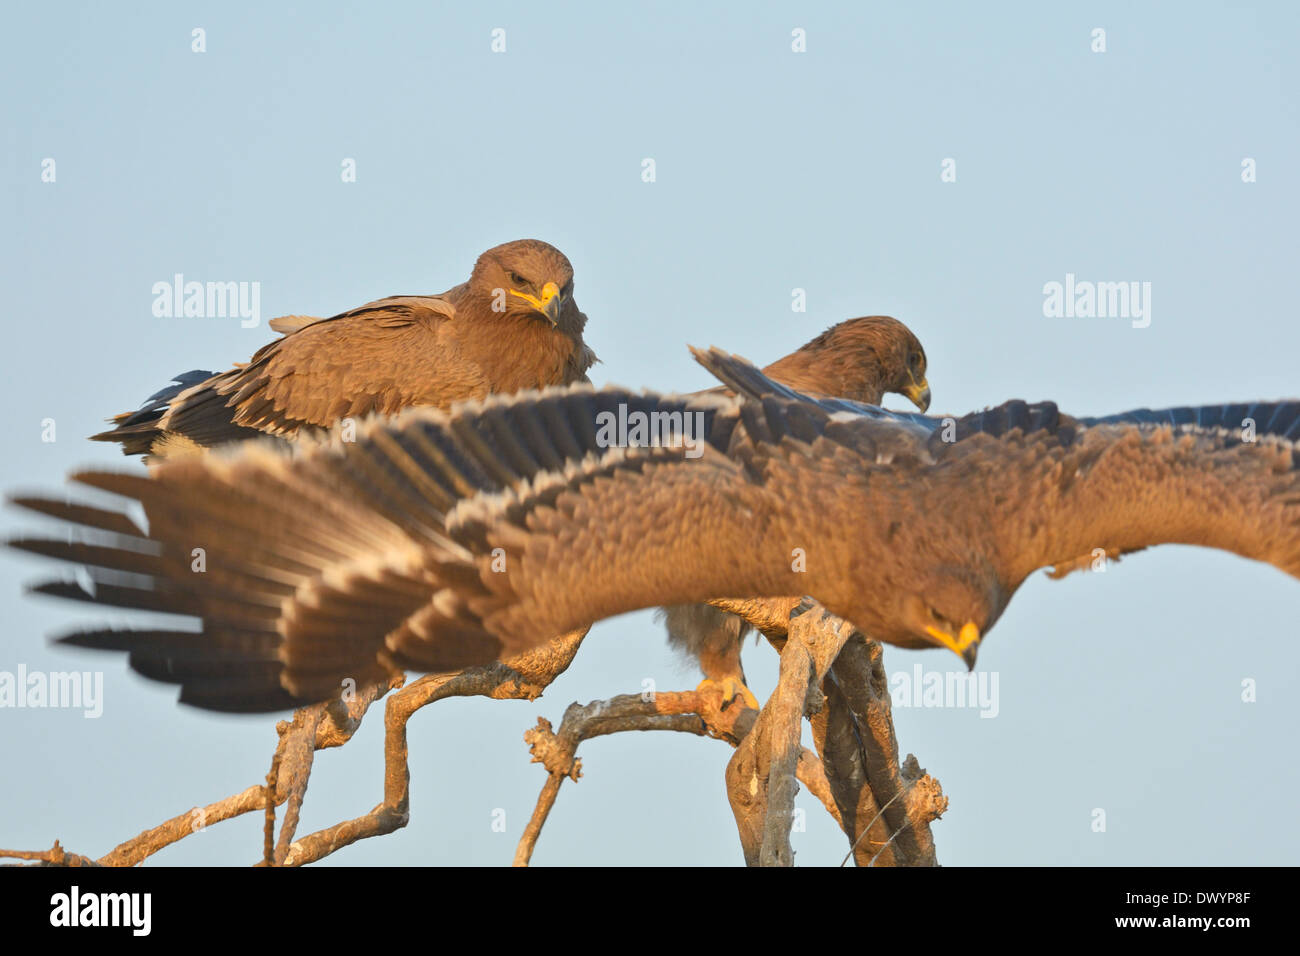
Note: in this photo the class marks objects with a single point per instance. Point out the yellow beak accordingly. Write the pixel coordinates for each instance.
(549, 304)
(965, 645)
(918, 394)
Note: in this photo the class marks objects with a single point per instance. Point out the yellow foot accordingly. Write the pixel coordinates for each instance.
(732, 687)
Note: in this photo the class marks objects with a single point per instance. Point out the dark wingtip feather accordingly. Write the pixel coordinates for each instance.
(740, 375)
(156, 404)
(136, 431)
(238, 697)
(179, 383)
(1028, 417)
(208, 680)
(78, 514)
(1278, 419)
(121, 639)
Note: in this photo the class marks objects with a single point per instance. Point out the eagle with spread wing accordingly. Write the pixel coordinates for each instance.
(443, 539)
(313, 377)
(513, 325)
(860, 359)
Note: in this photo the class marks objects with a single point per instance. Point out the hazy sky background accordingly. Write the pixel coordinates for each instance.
(775, 170)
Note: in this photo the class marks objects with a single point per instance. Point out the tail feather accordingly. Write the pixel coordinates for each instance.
(203, 417)
(136, 431)
(157, 403)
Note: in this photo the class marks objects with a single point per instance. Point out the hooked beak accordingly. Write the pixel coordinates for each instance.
(918, 394)
(965, 645)
(549, 304)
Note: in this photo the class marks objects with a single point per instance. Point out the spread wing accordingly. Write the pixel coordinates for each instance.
(1219, 476)
(330, 564)
(1057, 490)
(441, 539)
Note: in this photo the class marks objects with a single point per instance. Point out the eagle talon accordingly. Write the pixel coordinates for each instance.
(731, 687)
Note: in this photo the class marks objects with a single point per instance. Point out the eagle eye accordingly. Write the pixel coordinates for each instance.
(516, 278)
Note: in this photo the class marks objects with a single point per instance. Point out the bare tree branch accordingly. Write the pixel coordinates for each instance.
(761, 774)
(857, 768)
(519, 677)
(908, 799)
(854, 735)
(695, 712)
(332, 724)
(54, 856)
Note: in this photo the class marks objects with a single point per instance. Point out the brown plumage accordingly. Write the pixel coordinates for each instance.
(859, 359)
(438, 540)
(512, 325)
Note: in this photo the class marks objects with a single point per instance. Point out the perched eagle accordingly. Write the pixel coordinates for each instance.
(860, 359)
(513, 325)
(442, 539)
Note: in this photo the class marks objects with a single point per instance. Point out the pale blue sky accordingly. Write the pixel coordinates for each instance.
(775, 171)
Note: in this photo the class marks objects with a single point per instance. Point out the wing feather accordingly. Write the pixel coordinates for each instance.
(354, 559)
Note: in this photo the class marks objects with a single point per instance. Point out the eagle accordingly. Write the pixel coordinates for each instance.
(440, 539)
(859, 359)
(513, 325)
